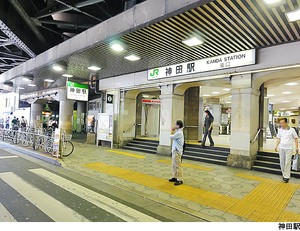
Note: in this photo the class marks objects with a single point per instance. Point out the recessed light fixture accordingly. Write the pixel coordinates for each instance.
(285, 101)
(228, 102)
(226, 89)
(21, 88)
(132, 57)
(117, 47)
(27, 79)
(266, 97)
(205, 95)
(286, 92)
(270, 96)
(57, 67)
(215, 92)
(94, 68)
(31, 85)
(67, 75)
(192, 42)
(49, 80)
(293, 15)
(291, 84)
(272, 1)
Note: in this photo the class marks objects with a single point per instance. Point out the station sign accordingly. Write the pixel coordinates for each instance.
(237, 59)
(151, 101)
(77, 91)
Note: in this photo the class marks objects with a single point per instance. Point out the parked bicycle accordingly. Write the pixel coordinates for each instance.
(67, 146)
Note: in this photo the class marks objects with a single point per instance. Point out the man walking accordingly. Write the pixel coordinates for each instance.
(286, 139)
(177, 151)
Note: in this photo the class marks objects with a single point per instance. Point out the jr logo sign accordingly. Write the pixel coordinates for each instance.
(154, 73)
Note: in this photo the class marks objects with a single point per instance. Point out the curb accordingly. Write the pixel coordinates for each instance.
(34, 154)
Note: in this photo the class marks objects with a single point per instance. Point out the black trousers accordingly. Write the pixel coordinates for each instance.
(207, 133)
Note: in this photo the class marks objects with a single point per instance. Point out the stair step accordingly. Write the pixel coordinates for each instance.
(271, 154)
(142, 146)
(139, 149)
(268, 158)
(146, 140)
(207, 160)
(207, 147)
(205, 155)
(210, 151)
(274, 171)
(267, 164)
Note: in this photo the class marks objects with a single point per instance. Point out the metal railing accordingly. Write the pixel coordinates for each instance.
(128, 130)
(256, 135)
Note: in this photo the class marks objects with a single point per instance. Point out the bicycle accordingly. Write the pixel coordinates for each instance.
(67, 146)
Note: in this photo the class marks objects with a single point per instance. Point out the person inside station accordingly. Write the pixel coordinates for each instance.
(287, 140)
(23, 123)
(14, 123)
(208, 127)
(177, 138)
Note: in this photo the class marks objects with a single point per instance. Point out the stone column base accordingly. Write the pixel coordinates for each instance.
(164, 150)
(240, 161)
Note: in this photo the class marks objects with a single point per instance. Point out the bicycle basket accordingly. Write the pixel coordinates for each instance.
(67, 137)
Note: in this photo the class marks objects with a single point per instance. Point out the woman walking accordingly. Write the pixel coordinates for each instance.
(208, 127)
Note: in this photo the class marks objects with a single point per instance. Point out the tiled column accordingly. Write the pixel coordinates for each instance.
(244, 122)
(172, 109)
(81, 108)
(65, 112)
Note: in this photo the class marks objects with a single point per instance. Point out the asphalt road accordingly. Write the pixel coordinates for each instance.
(33, 191)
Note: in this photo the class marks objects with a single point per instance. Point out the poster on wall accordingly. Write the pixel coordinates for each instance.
(77, 91)
(105, 127)
(56, 143)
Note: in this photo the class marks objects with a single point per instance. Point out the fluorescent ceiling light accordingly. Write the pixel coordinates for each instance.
(294, 107)
(286, 92)
(215, 92)
(293, 15)
(132, 57)
(57, 67)
(117, 47)
(49, 80)
(226, 89)
(27, 79)
(272, 1)
(21, 88)
(228, 102)
(67, 75)
(281, 108)
(291, 84)
(271, 95)
(266, 97)
(285, 101)
(31, 85)
(192, 42)
(94, 68)
(206, 95)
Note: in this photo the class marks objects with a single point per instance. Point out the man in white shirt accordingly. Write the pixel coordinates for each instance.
(177, 151)
(286, 140)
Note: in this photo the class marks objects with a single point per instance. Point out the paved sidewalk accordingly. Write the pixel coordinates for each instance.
(211, 192)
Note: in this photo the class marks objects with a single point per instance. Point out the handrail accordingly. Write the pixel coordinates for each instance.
(191, 126)
(255, 137)
(128, 130)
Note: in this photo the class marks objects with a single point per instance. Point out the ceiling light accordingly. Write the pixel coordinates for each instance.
(67, 75)
(31, 85)
(27, 79)
(192, 42)
(286, 92)
(94, 68)
(49, 80)
(21, 88)
(293, 15)
(226, 89)
(291, 84)
(294, 108)
(215, 92)
(228, 102)
(206, 95)
(285, 101)
(132, 57)
(270, 96)
(272, 1)
(57, 67)
(282, 109)
(117, 47)
(266, 97)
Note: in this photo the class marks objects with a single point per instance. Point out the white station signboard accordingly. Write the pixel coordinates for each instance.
(77, 91)
(238, 59)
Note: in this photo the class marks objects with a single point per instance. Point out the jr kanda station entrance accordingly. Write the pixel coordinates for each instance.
(124, 83)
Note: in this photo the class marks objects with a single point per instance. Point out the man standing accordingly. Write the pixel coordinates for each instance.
(208, 127)
(286, 139)
(177, 151)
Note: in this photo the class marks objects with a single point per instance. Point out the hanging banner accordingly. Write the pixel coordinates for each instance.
(77, 91)
(237, 59)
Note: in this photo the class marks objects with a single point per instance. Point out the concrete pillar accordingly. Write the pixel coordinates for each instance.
(215, 109)
(191, 113)
(244, 122)
(65, 112)
(81, 108)
(172, 109)
(201, 118)
(265, 115)
(127, 122)
(35, 114)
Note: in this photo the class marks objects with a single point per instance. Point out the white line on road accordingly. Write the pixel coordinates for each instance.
(53, 208)
(5, 216)
(8, 157)
(122, 211)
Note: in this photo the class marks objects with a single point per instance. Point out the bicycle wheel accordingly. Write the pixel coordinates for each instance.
(67, 148)
(26, 141)
(37, 144)
(49, 146)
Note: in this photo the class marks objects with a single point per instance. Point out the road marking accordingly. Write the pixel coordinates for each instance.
(8, 157)
(124, 212)
(126, 154)
(5, 215)
(49, 205)
(194, 166)
(266, 202)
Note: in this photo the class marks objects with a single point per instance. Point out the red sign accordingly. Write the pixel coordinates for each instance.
(151, 101)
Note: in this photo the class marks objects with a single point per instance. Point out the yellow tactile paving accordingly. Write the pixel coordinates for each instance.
(125, 153)
(194, 166)
(264, 203)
